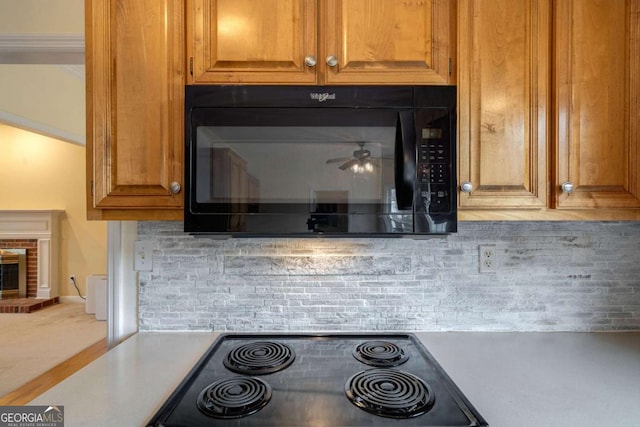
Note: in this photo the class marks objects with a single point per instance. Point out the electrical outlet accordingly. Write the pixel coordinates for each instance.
(142, 259)
(72, 279)
(488, 259)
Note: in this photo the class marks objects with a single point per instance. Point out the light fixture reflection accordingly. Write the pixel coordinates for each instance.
(362, 166)
(231, 26)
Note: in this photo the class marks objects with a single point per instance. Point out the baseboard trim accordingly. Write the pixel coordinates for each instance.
(72, 299)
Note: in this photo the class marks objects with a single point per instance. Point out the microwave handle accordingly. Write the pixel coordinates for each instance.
(405, 160)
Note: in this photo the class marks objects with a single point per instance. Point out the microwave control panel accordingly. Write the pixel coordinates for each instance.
(434, 174)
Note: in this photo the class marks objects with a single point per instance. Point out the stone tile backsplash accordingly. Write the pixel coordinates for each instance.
(551, 276)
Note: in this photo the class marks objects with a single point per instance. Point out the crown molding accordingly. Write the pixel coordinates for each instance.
(41, 128)
(67, 49)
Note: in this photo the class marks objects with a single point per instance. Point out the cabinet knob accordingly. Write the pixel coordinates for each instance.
(567, 187)
(332, 61)
(310, 61)
(466, 187)
(175, 187)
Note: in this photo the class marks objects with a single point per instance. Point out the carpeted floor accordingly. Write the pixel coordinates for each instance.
(32, 343)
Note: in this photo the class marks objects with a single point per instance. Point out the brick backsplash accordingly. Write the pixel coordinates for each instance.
(551, 276)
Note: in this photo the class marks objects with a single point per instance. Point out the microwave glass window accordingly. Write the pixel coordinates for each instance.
(334, 167)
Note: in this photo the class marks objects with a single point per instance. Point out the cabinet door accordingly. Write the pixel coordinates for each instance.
(389, 41)
(135, 80)
(248, 41)
(504, 91)
(597, 79)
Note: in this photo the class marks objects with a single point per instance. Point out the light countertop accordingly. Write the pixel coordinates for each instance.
(513, 379)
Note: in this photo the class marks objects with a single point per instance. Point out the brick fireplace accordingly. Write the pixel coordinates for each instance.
(37, 232)
(29, 249)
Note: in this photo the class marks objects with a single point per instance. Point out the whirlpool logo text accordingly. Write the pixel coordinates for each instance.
(321, 97)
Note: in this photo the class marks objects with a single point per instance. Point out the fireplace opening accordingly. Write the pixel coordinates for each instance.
(13, 273)
(9, 275)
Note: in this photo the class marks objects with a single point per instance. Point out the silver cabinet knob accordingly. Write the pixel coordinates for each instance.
(175, 187)
(310, 61)
(567, 187)
(466, 187)
(332, 61)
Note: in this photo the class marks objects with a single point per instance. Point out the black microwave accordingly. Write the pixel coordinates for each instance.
(320, 160)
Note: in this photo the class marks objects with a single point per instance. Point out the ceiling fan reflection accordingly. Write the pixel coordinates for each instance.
(360, 161)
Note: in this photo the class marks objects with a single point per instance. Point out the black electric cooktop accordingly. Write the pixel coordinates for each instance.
(329, 380)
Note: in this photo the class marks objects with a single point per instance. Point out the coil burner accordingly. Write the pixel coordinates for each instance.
(390, 393)
(234, 397)
(381, 354)
(259, 358)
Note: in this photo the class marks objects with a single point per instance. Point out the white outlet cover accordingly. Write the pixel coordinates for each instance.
(143, 255)
(488, 259)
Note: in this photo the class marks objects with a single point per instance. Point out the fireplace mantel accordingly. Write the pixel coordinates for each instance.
(43, 226)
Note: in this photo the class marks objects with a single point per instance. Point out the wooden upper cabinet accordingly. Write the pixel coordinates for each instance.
(135, 80)
(503, 99)
(291, 41)
(248, 41)
(597, 81)
(388, 41)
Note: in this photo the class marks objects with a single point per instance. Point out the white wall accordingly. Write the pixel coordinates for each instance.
(37, 172)
(43, 98)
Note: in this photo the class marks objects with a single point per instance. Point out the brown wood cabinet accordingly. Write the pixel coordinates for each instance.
(318, 42)
(248, 41)
(597, 104)
(504, 98)
(135, 84)
(549, 90)
(549, 94)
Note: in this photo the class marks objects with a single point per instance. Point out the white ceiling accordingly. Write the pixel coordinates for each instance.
(42, 67)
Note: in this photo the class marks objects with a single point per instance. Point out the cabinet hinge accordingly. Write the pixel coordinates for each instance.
(191, 66)
(450, 66)
(91, 189)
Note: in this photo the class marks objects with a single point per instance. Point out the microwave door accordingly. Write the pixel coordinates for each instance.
(284, 171)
